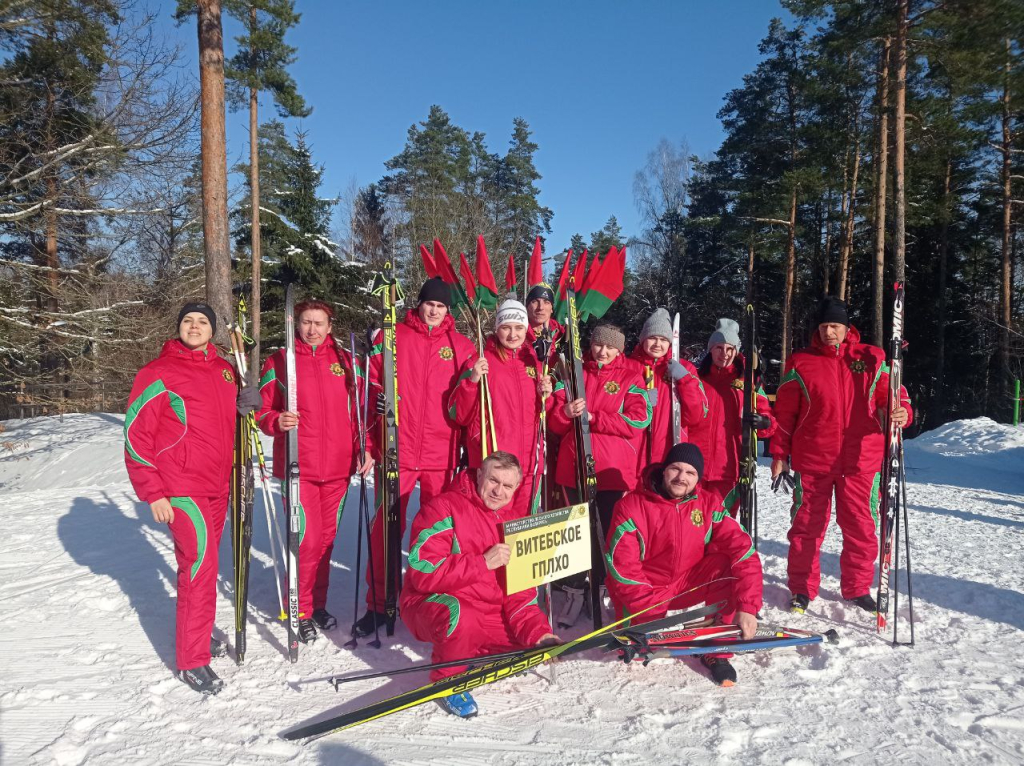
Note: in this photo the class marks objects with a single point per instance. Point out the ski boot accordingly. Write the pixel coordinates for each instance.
(368, 623)
(799, 603)
(865, 602)
(307, 631)
(462, 704)
(324, 619)
(217, 647)
(722, 671)
(202, 679)
(575, 600)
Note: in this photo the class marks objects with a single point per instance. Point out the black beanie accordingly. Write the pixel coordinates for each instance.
(688, 453)
(200, 308)
(436, 289)
(540, 291)
(831, 310)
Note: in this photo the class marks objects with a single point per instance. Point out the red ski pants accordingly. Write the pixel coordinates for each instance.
(457, 630)
(196, 529)
(857, 498)
(431, 483)
(320, 506)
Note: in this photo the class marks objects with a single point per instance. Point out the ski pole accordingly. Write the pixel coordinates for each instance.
(364, 510)
(336, 681)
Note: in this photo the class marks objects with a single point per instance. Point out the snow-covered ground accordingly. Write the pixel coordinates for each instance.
(86, 585)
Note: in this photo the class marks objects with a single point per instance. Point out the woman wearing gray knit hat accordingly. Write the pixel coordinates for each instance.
(720, 435)
(618, 409)
(515, 390)
(660, 370)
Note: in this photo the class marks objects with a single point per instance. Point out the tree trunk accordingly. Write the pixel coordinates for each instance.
(1005, 281)
(900, 130)
(52, 256)
(940, 353)
(787, 301)
(254, 182)
(881, 180)
(846, 248)
(216, 241)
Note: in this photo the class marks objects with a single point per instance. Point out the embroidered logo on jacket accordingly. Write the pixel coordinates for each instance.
(446, 353)
(337, 369)
(737, 383)
(857, 365)
(697, 517)
(612, 387)
(531, 372)
(228, 376)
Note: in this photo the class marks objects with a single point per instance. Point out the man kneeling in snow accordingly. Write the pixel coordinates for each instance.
(451, 596)
(666, 538)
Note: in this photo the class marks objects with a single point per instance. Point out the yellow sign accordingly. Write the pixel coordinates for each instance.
(547, 547)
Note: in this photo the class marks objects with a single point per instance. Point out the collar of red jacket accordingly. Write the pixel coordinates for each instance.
(852, 338)
(173, 347)
(465, 484)
(591, 365)
(638, 354)
(412, 319)
(727, 373)
(557, 331)
(504, 354)
(647, 487)
(304, 349)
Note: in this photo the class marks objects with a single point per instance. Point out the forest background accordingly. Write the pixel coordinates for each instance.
(870, 139)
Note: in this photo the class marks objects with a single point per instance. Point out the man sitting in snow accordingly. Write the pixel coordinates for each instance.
(452, 597)
(667, 538)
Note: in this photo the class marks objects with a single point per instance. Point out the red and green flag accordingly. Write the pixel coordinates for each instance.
(535, 272)
(467, 276)
(561, 307)
(510, 274)
(428, 262)
(447, 273)
(603, 285)
(487, 288)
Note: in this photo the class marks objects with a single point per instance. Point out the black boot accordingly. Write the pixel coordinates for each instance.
(799, 603)
(203, 679)
(865, 602)
(367, 624)
(307, 631)
(324, 619)
(217, 647)
(722, 671)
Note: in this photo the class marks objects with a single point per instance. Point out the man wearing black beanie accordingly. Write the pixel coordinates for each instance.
(667, 538)
(831, 407)
(430, 353)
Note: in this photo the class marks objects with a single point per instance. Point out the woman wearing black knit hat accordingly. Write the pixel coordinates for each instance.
(831, 408)
(178, 438)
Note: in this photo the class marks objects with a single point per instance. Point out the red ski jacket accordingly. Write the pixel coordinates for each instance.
(179, 428)
(827, 408)
(450, 535)
(720, 435)
(693, 405)
(653, 542)
(328, 427)
(428, 362)
(515, 405)
(619, 412)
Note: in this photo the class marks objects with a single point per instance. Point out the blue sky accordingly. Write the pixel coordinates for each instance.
(599, 82)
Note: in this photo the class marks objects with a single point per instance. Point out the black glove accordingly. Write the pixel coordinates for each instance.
(652, 396)
(382, 404)
(783, 481)
(756, 420)
(542, 348)
(248, 400)
(676, 371)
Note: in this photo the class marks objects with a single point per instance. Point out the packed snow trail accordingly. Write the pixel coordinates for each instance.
(87, 582)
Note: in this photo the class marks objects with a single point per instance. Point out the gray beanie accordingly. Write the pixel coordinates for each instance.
(726, 331)
(659, 323)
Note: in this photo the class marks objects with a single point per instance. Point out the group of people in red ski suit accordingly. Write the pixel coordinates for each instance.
(664, 487)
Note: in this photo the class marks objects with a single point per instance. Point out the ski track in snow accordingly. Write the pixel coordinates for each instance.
(87, 579)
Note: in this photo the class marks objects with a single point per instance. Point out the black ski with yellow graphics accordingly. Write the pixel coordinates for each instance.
(494, 671)
(747, 485)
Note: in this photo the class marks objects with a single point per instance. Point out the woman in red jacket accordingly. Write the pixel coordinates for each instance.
(618, 409)
(328, 448)
(720, 435)
(830, 407)
(515, 391)
(178, 439)
(660, 370)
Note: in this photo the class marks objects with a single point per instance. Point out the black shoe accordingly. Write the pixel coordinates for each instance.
(203, 679)
(865, 602)
(307, 631)
(324, 619)
(799, 603)
(367, 624)
(722, 671)
(218, 648)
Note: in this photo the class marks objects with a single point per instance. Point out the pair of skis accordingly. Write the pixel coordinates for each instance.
(714, 639)
(747, 484)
